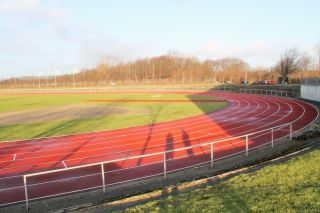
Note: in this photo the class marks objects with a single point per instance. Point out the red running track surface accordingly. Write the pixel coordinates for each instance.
(245, 114)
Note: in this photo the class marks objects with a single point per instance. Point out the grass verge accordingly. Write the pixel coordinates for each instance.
(289, 187)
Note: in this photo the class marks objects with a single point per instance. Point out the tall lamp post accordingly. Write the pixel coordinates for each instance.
(39, 79)
(73, 77)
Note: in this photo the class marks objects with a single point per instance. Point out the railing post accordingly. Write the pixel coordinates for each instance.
(290, 131)
(247, 146)
(26, 191)
(272, 137)
(164, 166)
(212, 154)
(103, 179)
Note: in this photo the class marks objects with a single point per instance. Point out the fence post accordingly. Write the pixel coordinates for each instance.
(272, 137)
(164, 166)
(103, 179)
(211, 154)
(26, 191)
(290, 131)
(247, 146)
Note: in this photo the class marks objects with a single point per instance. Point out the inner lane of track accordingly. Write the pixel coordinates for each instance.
(245, 114)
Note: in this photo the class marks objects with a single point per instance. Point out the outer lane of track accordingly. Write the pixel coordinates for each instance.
(245, 114)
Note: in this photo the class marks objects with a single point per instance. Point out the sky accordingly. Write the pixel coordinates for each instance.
(58, 36)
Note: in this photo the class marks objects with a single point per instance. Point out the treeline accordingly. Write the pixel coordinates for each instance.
(166, 69)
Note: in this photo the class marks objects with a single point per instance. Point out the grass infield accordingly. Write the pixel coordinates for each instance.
(152, 110)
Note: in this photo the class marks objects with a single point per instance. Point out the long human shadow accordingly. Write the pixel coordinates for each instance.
(169, 146)
(154, 114)
(186, 141)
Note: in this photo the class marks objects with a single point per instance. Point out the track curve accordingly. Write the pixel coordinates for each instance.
(245, 114)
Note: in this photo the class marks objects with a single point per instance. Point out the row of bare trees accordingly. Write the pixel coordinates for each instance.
(297, 65)
(174, 69)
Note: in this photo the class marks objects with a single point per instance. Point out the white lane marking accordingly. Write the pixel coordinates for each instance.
(262, 112)
(14, 157)
(206, 133)
(65, 165)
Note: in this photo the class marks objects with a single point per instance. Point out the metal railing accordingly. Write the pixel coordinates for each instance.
(165, 161)
(264, 92)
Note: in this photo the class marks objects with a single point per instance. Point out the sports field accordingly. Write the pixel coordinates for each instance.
(27, 116)
(48, 167)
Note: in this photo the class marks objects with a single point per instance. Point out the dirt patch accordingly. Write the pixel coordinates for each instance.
(67, 112)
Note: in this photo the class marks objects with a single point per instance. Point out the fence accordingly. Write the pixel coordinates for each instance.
(275, 133)
(310, 92)
(102, 89)
(264, 92)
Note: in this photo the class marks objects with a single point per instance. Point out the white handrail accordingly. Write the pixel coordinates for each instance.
(156, 153)
(263, 91)
(164, 153)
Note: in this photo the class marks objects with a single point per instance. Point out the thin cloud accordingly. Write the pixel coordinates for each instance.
(17, 6)
(33, 14)
(258, 53)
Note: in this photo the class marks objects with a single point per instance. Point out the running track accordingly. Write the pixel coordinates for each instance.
(244, 114)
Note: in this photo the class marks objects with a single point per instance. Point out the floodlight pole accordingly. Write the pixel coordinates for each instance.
(73, 77)
(39, 80)
(246, 78)
(55, 78)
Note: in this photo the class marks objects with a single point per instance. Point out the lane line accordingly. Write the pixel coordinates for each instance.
(65, 165)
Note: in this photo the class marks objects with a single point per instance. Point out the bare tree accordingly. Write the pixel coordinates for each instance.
(305, 64)
(289, 63)
(317, 49)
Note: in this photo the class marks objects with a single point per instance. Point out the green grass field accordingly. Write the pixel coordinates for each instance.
(293, 186)
(156, 112)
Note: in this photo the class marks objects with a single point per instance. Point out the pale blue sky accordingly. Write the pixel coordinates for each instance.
(43, 36)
